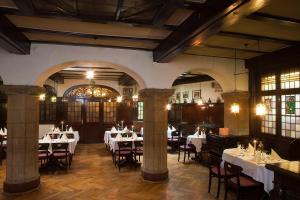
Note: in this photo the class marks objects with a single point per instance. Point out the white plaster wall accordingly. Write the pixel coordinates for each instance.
(207, 91)
(46, 59)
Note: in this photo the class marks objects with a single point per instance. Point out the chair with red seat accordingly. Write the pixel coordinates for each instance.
(138, 149)
(215, 170)
(61, 154)
(124, 153)
(43, 153)
(174, 140)
(241, 184)
(185, 148)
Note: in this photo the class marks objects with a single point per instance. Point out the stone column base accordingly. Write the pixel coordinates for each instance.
(157, 177)
(21, 188)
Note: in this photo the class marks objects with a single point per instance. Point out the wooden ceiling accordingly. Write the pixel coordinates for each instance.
(233, 28)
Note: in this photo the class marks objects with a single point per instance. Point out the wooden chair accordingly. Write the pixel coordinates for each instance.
(61, 154)
(216, 171)
(185, 148)
(55, 135)
(70, 135)
(138, 149)
(124, 152)
(173, 141)
(44, 153)
(241, 184)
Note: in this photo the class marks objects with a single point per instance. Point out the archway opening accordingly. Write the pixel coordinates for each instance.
(195, 109)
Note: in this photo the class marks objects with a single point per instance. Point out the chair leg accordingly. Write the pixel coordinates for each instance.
(184, 156)
(209, 182)
(219, 186)
(226, 190)
(178, 154)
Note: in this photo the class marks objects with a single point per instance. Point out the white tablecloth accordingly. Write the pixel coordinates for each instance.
(107, 135)
(197, 141)
(251, 168)
(113, 142)
(72, 144)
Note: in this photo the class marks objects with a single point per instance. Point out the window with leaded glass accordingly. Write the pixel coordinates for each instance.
(74, 111)
(92, 111)
(109, 112)
(268, 124)
(268, 82)
(140, 110)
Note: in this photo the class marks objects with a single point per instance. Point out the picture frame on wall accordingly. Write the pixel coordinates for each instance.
(196, 94)
(185, 94)
(127, 91)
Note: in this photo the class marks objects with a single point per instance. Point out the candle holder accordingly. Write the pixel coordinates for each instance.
(62, 125)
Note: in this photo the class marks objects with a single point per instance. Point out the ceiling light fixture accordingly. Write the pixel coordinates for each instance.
(90, 74)
(235, 107)
(168, 106)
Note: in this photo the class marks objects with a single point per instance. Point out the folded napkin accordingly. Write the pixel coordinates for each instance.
(250, 147)
(173, 129)
(275, 155)
(47, 138)
(71, 129)
(1, 131)
(64, 138)
(56, 130)
(142, 131)
(125, 129)
(196, 134)
(5, 131)
(113, 129)
(134, 136)
(119, 136)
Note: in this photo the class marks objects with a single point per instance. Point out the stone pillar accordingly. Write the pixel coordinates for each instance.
(22, 170)
(238, 124)
(155, 133)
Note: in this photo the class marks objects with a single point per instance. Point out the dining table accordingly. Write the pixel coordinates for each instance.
(71, 147)
(113, 142)
(197, 140)
(253, 164)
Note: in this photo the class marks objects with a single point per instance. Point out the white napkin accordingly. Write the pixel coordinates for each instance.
(142, 131)
(125, 129)
(47, 138)
(250, 147)
(173, 129)
(119, 136)
(64, 138)
(196, 134)
(71, 129)
(5, 131)
(113, 129)
(275, 155)
(169, 128)
(134, 136)
(1, 132)
(56, 130)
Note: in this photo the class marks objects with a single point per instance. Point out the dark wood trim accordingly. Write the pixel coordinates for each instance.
(11, 38)
(155, 177)
(20, 188)
(118, 9)
(263, 17)
(255, 37)
(90, 45)
(199, 26)
(233, 49)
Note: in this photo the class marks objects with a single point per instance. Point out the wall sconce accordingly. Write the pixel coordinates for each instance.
(260, 109)
(168, 106)
(42, 97)
(53, 99)
(135, 97)
(119, 99)
(235, 108)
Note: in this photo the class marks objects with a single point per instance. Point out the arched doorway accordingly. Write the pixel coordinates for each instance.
(90, 109)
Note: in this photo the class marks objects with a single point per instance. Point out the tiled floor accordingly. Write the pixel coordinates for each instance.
(93, 176)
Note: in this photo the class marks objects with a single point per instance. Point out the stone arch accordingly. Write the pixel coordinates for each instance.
(51, 70)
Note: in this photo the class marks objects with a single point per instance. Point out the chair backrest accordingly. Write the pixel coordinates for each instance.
(175, 134)
(54, 135)
(138, 144)
(70, 135)
(124, 145)
(43, 146)
(113, 135)
(215, 161)
(59, 147)
(182, 140)
(233, 171)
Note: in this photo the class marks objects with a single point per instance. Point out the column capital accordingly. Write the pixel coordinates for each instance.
(151, 92)
(21, 89)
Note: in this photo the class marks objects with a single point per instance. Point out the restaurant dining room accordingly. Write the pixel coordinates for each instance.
(152, 100)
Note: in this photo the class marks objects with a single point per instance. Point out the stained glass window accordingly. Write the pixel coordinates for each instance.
(140, 110)
(290, 115)
(268, 82)
(268, 124)
(88, 91)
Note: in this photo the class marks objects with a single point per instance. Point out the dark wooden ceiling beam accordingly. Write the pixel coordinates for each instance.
(199, 27)
(194, 79)
(232, 48)
(166, 10)
(7, 6)
(118, 9)
(273, 18)
(255, 37)
(135, 11)
(12, 39)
